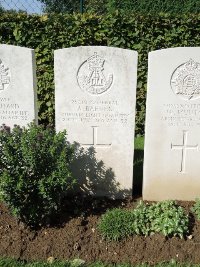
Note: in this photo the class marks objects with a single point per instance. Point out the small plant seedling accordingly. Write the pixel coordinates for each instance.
(168, 218)
(196, 208)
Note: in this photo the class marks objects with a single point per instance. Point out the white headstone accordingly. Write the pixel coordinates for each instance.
(172, 135)
(95, 102)
(17, 86)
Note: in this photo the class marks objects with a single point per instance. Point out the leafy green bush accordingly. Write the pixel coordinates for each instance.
(163, 217)
(168, 218)
(142, 224)
(34, 173)
(196, 208)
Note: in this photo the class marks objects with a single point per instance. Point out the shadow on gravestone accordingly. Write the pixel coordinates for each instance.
(95, 93)
(93, 177)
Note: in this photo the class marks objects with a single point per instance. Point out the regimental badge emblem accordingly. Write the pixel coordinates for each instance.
(185, 80)
(4, 76)
(95, 75)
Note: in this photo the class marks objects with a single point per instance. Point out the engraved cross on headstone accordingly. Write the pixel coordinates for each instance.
(94, 141)
(184, 147)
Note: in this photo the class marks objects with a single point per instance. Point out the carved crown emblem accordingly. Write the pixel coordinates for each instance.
(95, 75)
(185, 80)
(95, 61)
(191, 65)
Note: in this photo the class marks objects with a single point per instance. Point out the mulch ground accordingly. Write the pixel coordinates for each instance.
(74, 235)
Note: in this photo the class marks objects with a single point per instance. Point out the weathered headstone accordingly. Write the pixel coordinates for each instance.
(172, 135)
(95, 102)
(17, 86)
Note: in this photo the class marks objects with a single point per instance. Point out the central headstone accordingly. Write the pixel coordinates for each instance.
(172, 135)
(95, 102)
(17, 86)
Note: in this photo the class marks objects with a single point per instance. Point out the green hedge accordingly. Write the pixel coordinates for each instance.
(143, 6)
(141, 33)
(108, 6)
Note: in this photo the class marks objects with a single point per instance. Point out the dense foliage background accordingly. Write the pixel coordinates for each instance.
(108, 6)
(142, 33)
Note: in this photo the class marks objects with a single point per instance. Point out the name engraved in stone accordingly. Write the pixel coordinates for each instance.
(11, 111)
(181, 114)
(95, 75)
(4, 76)
(94, 142)
(185, 80)
(94, 111)
(183, 148)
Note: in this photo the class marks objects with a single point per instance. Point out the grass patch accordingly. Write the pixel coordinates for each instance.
(139, 143)
(16, 263)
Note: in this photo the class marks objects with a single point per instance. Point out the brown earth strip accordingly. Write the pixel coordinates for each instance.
(74, 235)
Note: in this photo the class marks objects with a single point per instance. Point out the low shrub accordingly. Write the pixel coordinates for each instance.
(164, 217)
(168, 218)
(116, 224)
(34, 173)
(196, 208)
(142, 224)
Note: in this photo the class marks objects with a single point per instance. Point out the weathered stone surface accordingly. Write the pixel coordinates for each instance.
(172, 135)
(95, 103)
(17, 86)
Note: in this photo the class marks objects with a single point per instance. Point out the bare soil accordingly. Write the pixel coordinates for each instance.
(74, 235)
